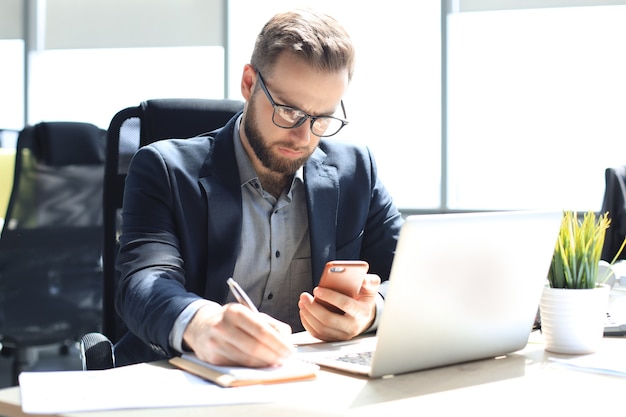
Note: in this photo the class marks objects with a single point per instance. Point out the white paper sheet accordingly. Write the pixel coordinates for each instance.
(134, 386)
(593, 363)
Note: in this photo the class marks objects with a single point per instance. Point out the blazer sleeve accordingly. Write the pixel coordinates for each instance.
(151, 292)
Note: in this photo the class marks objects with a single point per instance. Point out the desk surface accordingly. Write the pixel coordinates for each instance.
(521, 383)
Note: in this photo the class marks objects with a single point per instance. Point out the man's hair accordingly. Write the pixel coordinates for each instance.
(315, 38)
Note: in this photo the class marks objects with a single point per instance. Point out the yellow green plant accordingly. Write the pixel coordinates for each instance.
(578, 251)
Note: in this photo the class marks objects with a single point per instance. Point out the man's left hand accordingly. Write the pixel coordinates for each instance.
(359, 313)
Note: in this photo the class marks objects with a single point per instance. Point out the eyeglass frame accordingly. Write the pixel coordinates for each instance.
(306, 115)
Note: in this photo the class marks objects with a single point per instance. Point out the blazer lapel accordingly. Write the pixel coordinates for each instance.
(322, 194)
(219, 178)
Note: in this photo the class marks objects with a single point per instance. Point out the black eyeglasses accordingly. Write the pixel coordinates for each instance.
(289, 117)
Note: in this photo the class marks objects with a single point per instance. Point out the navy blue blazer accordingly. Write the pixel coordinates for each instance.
(182, 226)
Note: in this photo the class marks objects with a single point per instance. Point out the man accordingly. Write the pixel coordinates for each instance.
(265, 200)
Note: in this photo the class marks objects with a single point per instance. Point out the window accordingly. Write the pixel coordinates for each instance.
(11, 84)
(536, 105)
(534, 97)
(91, 85)
(90, 59)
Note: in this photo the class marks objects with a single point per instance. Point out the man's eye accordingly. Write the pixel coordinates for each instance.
(290, 114)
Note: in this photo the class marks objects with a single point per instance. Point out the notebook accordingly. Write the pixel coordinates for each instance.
(462, 287)
(238, 376)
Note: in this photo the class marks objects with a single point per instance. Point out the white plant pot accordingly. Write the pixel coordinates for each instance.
(572, 321)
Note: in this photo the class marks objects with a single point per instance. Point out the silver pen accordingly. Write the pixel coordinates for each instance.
(241, 295)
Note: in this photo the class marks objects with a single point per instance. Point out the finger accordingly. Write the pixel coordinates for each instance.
(358, 314)
(282, 328)
(322, 323)
(222, 344)
(237, 336)
(332, 300)
(258, 334)
(233, 352)
(371, 283)
(311, 324)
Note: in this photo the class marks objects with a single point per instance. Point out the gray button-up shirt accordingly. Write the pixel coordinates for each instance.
(274, 261)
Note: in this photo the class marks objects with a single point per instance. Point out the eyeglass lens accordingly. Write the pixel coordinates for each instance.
(288, 117)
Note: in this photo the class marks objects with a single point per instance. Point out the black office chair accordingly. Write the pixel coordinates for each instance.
(130, 129)
(51, 241)
(614, 202)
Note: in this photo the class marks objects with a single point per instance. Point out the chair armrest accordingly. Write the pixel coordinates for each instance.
(96, 352)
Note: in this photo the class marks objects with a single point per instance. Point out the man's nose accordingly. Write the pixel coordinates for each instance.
(302, 134)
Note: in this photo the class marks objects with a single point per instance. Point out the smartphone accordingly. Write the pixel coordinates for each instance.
(345, 277)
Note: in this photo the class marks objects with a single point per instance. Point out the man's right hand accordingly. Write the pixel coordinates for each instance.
(236, 336)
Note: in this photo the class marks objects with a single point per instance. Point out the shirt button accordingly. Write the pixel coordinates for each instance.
(278, 254)
(270, 296)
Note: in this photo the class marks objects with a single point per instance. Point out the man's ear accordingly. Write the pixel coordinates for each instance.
(248, 81)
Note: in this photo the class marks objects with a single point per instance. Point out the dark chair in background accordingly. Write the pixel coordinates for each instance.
(614, 202)
(51, 241)
(130, 129)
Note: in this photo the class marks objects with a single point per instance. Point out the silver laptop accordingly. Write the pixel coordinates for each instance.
(462, 287)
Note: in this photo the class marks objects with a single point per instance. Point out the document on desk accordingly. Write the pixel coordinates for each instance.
(127, 387)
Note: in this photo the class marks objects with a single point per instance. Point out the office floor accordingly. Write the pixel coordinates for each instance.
(47, 359)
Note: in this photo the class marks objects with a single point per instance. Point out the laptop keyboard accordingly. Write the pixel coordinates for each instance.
(360, 358)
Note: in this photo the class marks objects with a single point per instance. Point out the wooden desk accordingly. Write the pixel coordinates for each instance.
(521, 384)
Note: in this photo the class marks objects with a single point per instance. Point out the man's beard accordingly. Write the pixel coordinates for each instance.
(272, 162)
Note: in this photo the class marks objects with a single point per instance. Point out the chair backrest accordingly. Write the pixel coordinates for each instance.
(51, 240)
(130, 129)
(58, 175)
(614, 202)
